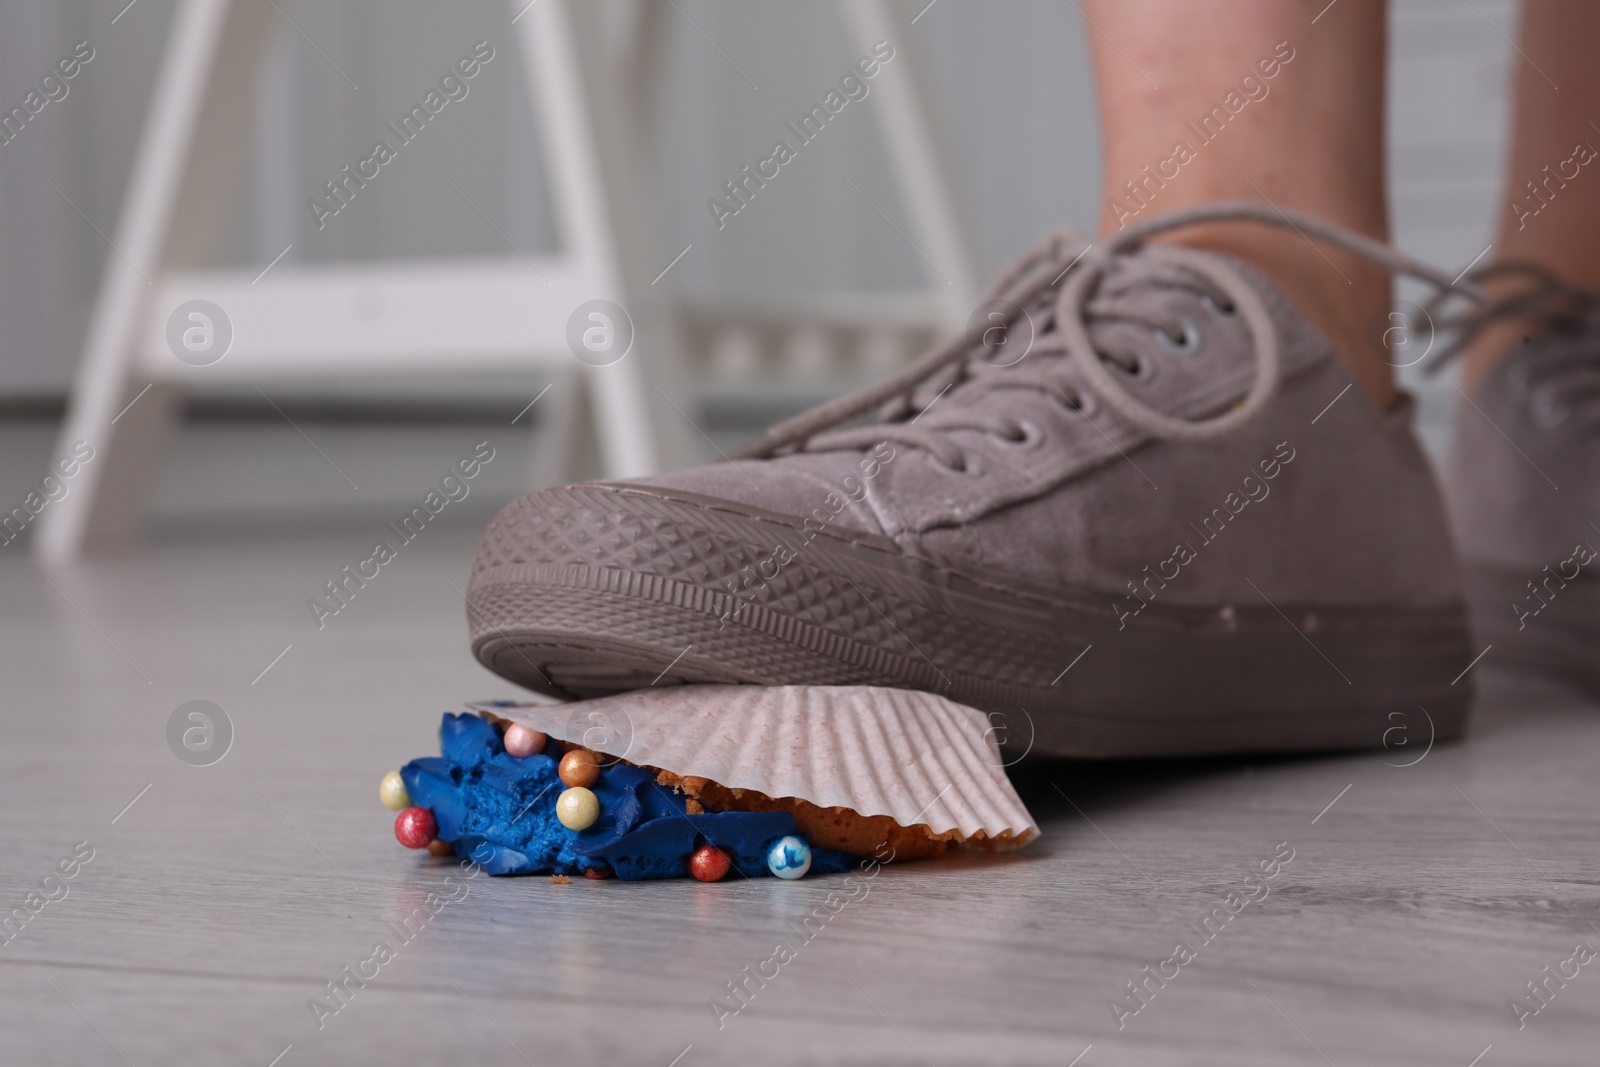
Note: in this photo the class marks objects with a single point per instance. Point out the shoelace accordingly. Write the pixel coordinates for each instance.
(1545, 298)
(1097, 281)
(1566, 371)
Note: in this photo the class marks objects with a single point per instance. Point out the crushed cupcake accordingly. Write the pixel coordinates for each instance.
(708, 781)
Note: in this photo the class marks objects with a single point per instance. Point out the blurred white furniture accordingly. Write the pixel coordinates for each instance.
(426, 316)
(588, 68)
(827, 341)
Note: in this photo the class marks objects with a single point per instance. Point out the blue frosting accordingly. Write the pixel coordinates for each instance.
(501, 811)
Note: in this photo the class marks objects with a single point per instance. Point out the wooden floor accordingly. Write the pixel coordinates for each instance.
(220, 899)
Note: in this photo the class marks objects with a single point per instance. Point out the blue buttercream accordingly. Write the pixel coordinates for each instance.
(501, 812)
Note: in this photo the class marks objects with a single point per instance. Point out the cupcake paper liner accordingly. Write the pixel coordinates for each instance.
(915, 757)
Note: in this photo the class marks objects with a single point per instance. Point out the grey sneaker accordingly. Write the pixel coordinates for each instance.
(1132, 511)
(1524, 487)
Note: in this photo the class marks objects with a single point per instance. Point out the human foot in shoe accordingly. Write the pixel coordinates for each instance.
(1524, 480)
(1165, 529)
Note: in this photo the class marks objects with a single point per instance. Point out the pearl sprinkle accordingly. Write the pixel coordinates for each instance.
(580, 767)
(709, 863)
(789, 857)
(392, 791)
(523, 741)
(415, 827)
(578, 808)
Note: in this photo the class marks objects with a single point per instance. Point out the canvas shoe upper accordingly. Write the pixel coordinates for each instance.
(1133, 509)
(1524, 482)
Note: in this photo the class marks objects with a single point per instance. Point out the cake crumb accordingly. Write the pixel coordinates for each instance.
(559, 879)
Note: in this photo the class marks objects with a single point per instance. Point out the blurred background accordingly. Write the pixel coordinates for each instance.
(819, 286)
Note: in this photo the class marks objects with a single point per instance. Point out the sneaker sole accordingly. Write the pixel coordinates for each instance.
(589, 590)
(1561, 639)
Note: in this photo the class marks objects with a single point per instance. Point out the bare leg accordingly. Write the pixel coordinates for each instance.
(1310, 136)
(1558, 225)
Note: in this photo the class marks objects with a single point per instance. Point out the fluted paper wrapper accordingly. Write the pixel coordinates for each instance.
(915, 757)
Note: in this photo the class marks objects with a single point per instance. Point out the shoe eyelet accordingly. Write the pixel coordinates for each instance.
(1143, 369)
(1031, 435)
(969, 466)
(1087, 404)
(1518, 379)
(1186, 343)
(1547, 411)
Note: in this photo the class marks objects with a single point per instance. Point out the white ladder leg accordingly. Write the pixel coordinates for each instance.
(922, 162)
(191, 126)
(599, 200)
